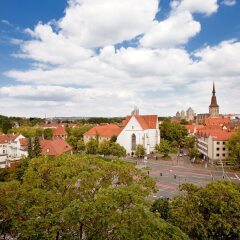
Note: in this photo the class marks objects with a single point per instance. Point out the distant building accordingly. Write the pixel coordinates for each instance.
(135, 111)
(178, 115)
(55, 147)
(190, 114)
(202, 117)
(103, 132)
(59, 132)
(183, 116)
(12, 148)
(214, 107)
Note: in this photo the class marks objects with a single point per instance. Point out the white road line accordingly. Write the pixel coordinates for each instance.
(237, 177)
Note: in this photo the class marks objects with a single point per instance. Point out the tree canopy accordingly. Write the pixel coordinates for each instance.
(233, 146)
(81, 197)
(211, 212)
(173, 131)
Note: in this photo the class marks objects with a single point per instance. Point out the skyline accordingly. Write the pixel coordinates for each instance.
(101, 58)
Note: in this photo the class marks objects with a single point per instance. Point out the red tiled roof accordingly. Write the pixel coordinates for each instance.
(192, 128)
(145, 121)
(217, 134)
(54, 147)
(8, 138)
(104, 131)
(23, 141)
(59, 131)
(217, 121)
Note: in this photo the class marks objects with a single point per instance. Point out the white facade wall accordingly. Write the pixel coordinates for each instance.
(148, 138)
(212, 149)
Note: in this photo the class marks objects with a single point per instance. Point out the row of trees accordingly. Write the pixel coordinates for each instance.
(81, 197)
(105, 147)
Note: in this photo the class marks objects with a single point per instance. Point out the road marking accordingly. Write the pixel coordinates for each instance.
(237, 177)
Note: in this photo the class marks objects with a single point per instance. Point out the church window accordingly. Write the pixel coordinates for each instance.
(133, 141)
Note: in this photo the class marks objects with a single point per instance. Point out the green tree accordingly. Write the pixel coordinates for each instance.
(36, 147)
(140, 151)
(72, 141)
(30, 148)
(92, 146)
(81, 197)
(48, 133)
(189, 142)
(81, 145)
(161, 206)
(183, 122)
(233, 146)
(173, 131)
(6, 125)
(104, 147)
(211, 212)
(193, 153)
(113, 139)
(117, 150)
(164, 148)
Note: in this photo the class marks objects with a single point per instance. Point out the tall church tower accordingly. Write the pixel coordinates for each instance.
(213, 107)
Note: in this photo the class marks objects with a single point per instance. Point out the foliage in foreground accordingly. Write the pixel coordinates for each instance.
(81, 197)
(208, 213)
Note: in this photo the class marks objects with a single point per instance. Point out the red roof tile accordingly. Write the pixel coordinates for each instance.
(54, 147)
(59, 131)
(193, 128)
(104, 131)
(217, 121)
(217, 134)
(145, 121)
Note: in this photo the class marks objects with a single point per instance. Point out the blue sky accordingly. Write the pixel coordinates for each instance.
(110, 60)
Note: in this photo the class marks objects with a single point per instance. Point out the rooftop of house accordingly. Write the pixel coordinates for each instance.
(54, 147)
(108, 130)
(59, 131)
(216, 134)
(217, 121)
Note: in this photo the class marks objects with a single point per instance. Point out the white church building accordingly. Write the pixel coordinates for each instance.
(139, 129)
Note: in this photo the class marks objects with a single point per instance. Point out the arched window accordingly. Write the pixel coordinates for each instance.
(133, 141)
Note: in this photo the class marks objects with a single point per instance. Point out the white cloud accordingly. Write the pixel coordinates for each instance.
(175, 30)
(207, 7)
(68, 77)
(229, 3)
(94, 23)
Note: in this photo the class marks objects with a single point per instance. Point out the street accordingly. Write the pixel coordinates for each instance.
(169, 174)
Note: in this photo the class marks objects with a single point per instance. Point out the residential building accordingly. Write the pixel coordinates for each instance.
(55, 147)
(59, 132)
(12, 148)
(211, 143)
(103, 132)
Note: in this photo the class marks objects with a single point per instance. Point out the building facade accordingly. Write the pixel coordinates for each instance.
(139, 130)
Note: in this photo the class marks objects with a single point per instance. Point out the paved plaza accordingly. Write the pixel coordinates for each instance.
(169, 174)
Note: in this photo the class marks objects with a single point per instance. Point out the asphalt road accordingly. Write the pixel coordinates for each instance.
(169, 174)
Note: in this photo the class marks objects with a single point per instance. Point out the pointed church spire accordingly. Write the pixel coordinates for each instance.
(213, 91)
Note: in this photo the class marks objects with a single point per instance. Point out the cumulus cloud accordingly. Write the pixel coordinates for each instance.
(207, 7)
(71, 77)
(99, 23)
(175, 30)
(229, 3)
